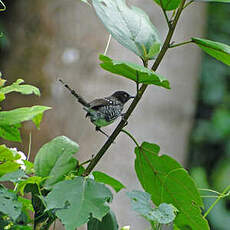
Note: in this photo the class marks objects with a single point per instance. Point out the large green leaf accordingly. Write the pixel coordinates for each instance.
(130, 26)
(217, 50)
(17, 87)
(75, 201)
(9, 203)
(108, 222)
(55, 159)
(168, 182)
(17, 116)
(141, 203)
(168, 4)
(10, 132)
(133, 71)
(106, 179)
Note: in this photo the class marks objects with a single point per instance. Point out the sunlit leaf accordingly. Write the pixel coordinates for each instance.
(217, 50)
(23, 89)
(133, 71)
(17, 116)
(10, 132)
(130, 26)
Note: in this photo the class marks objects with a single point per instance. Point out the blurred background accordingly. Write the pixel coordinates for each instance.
(44, 40)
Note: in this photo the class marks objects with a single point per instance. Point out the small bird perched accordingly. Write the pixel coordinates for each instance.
(102, 111)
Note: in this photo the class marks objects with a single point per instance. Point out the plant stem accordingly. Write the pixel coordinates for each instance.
(134, 103)
(180, 44)
(187, 4)
(223, 194)
(29, 148)
(107, 45)
(165, 14)
(131, 136)
(84, 163)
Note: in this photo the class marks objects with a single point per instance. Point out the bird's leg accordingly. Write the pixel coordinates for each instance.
(99, 129)
(122, 117)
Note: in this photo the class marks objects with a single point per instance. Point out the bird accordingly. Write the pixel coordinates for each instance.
(102, 111)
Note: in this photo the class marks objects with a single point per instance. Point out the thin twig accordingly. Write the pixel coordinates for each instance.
(209, 190)
(107, 45)
(134, 103)
(188, 3)
(225, 192)
(29, 148)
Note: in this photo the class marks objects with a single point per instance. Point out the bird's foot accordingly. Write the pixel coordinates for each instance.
(99, 129)
(122, 118)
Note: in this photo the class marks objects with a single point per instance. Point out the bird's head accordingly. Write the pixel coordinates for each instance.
(122, 96)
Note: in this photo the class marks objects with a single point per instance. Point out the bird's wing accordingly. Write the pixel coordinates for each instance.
(97, 103)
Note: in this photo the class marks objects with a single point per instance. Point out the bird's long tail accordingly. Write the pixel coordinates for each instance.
(79, 98)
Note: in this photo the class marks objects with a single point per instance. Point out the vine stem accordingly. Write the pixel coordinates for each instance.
(131, 136)
(223, 194)
(134, 103)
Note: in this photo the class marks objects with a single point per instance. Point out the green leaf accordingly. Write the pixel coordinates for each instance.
(55, 159)
(16, 116)
(141, 203)
(13, 176)
(9, 204)
(109, 221)
(26, 204)
(8, 167)
(225, 1)
(2, 97)
(37, 120)
(168, 182)
(217, 50)
(29, 166)
(8, 159)
(31, 180)
(7, 154)
(168, 4)
(130, 26)
(131, 70)
(104, 178)
(17, 87)
(10, 132)
(75, 201)
(20, 227)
